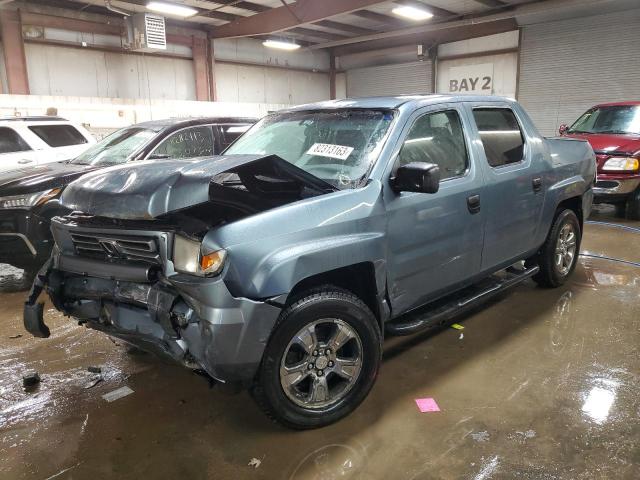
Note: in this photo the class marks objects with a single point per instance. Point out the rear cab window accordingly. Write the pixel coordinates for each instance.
(501, 135)
(58, 135)
(11, 141)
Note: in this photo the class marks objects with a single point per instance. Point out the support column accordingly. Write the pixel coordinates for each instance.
(199, 49)
(332, 76)
(14, 57)
(211, 64)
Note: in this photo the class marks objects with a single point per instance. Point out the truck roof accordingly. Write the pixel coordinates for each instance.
(619, 104)
(396, 101)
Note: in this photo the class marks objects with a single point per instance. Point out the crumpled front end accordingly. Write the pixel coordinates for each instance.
(135, 295)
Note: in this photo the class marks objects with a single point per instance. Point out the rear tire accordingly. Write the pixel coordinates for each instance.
(559, 255)
(633, 206)
(321, 360)
(620, 209)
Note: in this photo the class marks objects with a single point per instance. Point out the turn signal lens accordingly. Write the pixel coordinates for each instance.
(622, 164)
(213, 262)
(53, 193)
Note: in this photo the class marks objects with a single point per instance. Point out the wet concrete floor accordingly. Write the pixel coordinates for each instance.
(541, 384)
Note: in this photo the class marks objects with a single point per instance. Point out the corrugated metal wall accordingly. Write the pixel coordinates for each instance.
(414, 77)
(570, 65)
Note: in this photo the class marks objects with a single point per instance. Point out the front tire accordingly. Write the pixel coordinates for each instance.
(321, 361)
(559, 255)
(633, 206)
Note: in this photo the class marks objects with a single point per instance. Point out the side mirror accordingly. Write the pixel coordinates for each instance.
(416, 177)
(563, 128)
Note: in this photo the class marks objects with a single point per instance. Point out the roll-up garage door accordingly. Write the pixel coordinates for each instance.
(414, 77)
(570, 65)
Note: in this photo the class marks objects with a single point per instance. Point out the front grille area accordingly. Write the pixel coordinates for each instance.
(142, 249)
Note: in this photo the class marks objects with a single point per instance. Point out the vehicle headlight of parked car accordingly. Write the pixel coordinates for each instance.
(188, 258)
(29, 200)
(622, 164)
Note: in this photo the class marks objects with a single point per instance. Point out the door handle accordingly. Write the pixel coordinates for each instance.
(536, 183)
(473, 203)
(24, 160)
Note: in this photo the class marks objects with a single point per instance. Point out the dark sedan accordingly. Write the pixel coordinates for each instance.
(29, 197)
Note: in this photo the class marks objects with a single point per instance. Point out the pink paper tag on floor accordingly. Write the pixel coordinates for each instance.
(427, 405)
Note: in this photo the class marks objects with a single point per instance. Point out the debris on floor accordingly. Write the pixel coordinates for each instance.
(93, 381)
(461, 336)
(480, 436)
(31, 379)
(254, 462)
(17, 335)
(427, 405)
(457, 326)
(94, 369)
(117, 394)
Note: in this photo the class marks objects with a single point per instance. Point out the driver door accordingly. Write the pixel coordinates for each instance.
(435, 240)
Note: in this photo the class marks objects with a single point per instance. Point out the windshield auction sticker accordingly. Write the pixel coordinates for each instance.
(328, 150)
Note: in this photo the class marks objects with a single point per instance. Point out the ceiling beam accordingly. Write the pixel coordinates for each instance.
(308, 32)
(252, 7)
(437, 11)
(343, 27)
(379, 18)
(285, 17)
(521, 10)
(493, 3)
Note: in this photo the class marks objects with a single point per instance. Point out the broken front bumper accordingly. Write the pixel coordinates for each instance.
(194, 321)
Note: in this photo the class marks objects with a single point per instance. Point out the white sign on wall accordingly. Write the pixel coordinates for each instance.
(476, 79)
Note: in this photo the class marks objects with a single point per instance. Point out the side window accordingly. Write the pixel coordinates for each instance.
(11, 141)
(230, 133)
(187, 143)
(58, 135)
(500, 134)
(437, 138)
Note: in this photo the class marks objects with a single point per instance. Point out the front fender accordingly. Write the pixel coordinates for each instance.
(278, 272)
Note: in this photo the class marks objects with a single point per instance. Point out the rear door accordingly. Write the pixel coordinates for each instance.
(514, 194)
(435, 240)
(15, 151)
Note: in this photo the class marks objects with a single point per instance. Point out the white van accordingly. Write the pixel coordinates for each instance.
(30, 141)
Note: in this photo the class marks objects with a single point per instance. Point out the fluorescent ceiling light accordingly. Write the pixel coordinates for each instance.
(412, 13)
(172, 9)
(281, 45)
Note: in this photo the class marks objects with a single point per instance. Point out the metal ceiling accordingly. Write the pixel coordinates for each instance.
(349, 22)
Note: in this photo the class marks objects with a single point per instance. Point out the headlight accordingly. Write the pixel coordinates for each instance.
(188, 258)
(621, 164)
(29, 200)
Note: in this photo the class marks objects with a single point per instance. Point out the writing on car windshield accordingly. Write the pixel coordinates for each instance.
(338, 147)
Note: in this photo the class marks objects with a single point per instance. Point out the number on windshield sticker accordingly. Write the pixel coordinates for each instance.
(332, 151)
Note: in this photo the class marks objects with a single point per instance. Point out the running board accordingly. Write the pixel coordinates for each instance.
(442, 311)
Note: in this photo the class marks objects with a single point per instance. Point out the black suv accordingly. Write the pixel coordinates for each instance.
(29, 196)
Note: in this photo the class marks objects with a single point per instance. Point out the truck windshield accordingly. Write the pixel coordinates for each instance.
(613, 119)
(337, 146)
(116, 148)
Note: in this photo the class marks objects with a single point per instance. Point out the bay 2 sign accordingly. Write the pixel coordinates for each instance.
(476, 79)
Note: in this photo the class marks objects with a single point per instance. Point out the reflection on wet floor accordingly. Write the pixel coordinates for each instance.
(542, 385)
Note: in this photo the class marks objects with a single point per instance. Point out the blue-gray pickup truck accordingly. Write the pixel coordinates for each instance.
(280, 264)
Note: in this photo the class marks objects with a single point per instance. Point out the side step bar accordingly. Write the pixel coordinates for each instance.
(441, 311)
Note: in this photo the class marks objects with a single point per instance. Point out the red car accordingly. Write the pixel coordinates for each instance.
(613, 130)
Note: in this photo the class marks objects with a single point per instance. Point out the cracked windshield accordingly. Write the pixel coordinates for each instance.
(338, 147)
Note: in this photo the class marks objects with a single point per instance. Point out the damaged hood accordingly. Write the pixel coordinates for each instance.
(151, 189)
